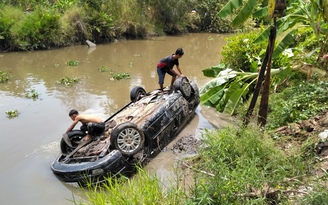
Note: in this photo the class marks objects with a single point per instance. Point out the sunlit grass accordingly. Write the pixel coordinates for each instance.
(143, 188)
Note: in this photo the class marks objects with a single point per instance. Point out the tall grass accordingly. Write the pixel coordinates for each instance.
(143, 188)
(235, 166)
(245, 165)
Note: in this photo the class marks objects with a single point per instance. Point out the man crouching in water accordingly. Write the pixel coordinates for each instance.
(93, 124)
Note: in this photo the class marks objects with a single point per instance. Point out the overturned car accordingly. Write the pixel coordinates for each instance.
(138, 131)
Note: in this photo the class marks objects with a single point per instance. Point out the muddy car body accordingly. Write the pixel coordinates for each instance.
(138, 131)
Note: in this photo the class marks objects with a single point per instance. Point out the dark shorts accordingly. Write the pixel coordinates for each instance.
(161, 74)
(94, 129)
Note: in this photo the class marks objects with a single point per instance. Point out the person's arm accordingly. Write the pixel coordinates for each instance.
(72, 125)
(178, 67)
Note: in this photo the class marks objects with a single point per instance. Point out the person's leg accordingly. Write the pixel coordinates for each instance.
(173, 78)
(161, 76)
(172, 81)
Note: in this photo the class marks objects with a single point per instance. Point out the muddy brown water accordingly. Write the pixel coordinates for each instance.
(30, 142)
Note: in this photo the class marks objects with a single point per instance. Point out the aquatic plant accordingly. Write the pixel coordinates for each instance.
(68, 81)
(12, 113)
(32, 94)
(73, 63)
(4, 77)
(120, 76)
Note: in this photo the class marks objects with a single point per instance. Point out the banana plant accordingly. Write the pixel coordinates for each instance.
(299, 13)
(229, 88)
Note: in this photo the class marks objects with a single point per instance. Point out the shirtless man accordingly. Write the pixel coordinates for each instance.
(93, 124)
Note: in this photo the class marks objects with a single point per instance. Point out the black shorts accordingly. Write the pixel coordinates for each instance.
(94, 129)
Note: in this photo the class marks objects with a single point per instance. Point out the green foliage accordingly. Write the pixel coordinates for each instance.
(141, 189)
(209, 21)
(68, 81)
(4, 77)
(12, 113)
(120, 76)
(38, 30)
(103, 69)
(63, 5)
(240, 160)
(230, 89)
(240, 53)
(170, 18)
(299, 102)
(73, 63)
(317, 197)
(8, 17)
(32, 94)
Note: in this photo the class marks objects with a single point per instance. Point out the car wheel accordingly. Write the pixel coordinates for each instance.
(137, 93)
(127, 138)
(184, 86)
(75, 137)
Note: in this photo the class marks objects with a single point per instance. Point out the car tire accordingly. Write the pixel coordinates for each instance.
(137, 93)
(183, 84)
(75, 137)
(127, 138)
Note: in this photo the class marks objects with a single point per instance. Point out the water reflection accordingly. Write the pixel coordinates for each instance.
(29, 142)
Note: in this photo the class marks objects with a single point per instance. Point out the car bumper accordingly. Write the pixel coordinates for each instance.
(110, 165)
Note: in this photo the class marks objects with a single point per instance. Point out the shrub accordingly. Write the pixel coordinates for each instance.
(238, 163)
(296, 103)
(38, 30)
(8, 17)
(240, 53)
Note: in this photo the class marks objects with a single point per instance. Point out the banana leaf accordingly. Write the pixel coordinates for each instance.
(245, 13)
(229, 89)
(229, 8)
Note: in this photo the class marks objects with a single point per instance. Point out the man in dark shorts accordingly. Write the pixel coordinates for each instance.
(166, 66)
(93, 124)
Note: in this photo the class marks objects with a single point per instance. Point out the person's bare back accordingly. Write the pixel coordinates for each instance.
(83, 118)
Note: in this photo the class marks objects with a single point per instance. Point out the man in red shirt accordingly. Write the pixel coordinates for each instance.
(166, 66)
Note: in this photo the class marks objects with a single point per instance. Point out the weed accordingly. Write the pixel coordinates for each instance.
(72, 63)
(120, 76)
(4, 77)
(103, 69)
(12, 113)
(68, 81)
(143, 188)
(32, 94)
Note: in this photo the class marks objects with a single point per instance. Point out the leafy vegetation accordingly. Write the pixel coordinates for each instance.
(103, 69)
(120, 76)
(32, 94)
(72, 63)
(299, 102)
(234, 166)
(49, 24)
(68, 81)
(141, 189)
(12, 113)
(4, 77)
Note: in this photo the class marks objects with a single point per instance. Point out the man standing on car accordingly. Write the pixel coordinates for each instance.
(166, 66)
(93, 124)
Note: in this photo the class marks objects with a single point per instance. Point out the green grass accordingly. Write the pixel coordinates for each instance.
(143, 188)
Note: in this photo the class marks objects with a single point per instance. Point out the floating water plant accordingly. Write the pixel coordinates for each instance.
(12, 113)
(68, 81)
(32, 94)
(103, 69)
(4, 77)
(120, 76)
(73, 63)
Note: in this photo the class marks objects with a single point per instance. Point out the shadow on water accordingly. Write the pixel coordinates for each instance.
(30, 142)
